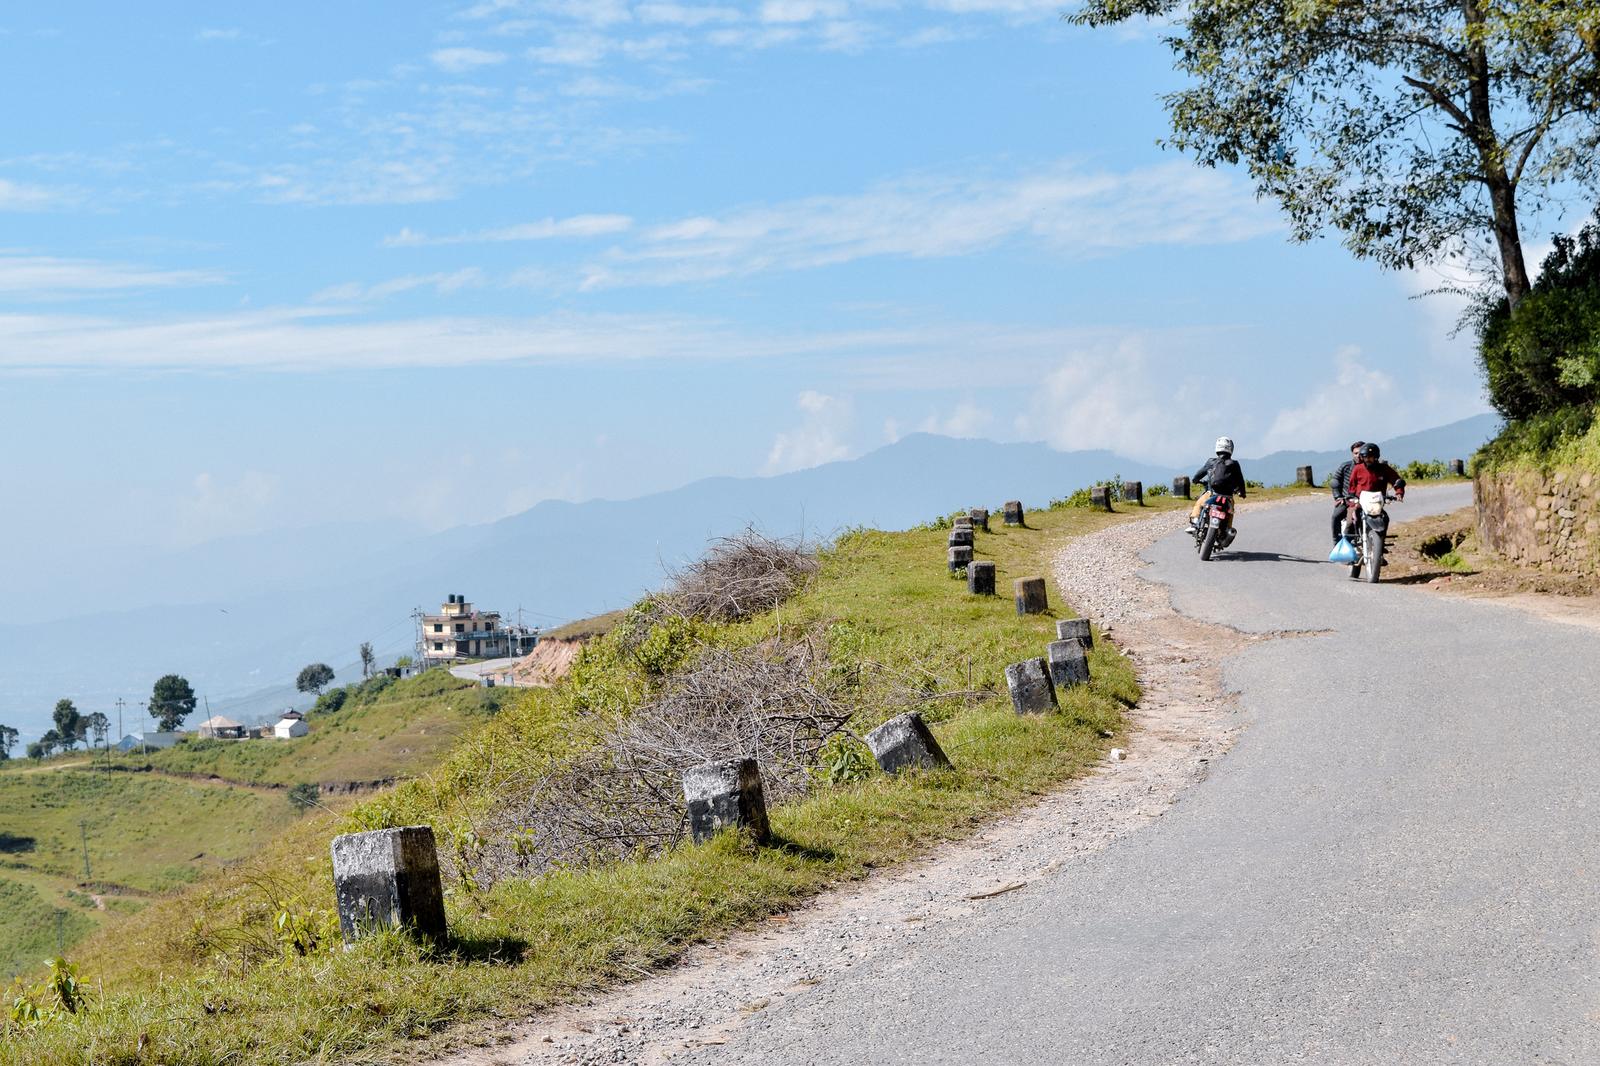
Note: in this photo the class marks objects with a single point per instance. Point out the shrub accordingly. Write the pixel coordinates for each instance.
(1084, 497)
(304, 796)
(1157, 490)
(1545, 359)
(331, 701)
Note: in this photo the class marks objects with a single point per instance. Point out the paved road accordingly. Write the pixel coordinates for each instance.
(1399, 862)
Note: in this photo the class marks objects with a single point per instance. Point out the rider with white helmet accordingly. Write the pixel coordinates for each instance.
(1221, 476)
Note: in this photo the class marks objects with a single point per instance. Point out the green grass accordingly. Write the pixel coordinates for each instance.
(404, 729)
(203, 978)
(146, 835)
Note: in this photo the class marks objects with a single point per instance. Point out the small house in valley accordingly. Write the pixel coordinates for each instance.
(290, 726)
(220, 728)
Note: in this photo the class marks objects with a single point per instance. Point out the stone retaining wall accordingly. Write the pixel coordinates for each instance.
(1548, 519)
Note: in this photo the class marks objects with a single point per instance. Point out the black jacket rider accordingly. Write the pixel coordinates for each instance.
(1221, 475)
(1340, 486)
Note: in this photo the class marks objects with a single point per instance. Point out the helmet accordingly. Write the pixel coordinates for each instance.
(1370, 451)
(1224, 446)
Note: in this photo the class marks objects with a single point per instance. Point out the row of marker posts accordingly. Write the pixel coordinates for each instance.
(390, 877)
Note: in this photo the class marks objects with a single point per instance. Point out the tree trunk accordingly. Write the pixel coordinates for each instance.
(1502, 189)
(1513, 268)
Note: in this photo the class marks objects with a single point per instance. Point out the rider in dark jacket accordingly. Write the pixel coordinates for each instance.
(1340, 485)
(1221, 476)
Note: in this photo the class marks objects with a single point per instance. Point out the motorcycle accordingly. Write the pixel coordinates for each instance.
(1366, 527)
(1213, 530)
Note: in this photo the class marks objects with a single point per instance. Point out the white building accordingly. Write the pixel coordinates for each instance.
(461, 631)
(291, 725)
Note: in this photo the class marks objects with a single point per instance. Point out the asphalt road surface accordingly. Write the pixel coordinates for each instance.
(1399, 862)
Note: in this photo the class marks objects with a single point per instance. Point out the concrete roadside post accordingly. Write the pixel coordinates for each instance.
(980, 518)
(980, 577)
(388, 878)
(959, 557)
(906, 743)
(1302, 476)
(723, 795)
(1013, 513)
(1180, 487)
(1030, 595)
(1133, 492)
(1030, 687)
(1069, 663)
(1458, 468)
(1100, 498)
(1075, 629)
(960, 536)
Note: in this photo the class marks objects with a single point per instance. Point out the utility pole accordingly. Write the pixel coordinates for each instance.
(120, 733)
(83, 831)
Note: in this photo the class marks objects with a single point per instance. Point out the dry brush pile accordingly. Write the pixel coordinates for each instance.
(775, 701)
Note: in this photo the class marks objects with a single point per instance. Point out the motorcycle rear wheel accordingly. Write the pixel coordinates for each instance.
(1208, 544)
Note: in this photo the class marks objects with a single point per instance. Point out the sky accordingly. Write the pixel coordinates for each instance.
(272, 266)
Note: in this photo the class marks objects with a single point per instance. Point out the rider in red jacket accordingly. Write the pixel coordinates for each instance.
(1372, 474)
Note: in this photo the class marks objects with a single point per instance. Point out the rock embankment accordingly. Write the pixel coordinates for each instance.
(1547, 519)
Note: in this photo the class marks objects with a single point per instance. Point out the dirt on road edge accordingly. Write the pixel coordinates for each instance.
(1184, 722)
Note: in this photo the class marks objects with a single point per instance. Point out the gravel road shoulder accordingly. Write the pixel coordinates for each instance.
(1184, 721)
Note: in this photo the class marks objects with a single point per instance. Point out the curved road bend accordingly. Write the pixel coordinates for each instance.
(1399, 861)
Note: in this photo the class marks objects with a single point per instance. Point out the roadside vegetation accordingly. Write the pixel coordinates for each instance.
(246, 968)
(1542, 364)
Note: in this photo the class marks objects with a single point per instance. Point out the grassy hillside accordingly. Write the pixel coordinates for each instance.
(145, 835)
(246, 968)
(383, 730)
(150, 833)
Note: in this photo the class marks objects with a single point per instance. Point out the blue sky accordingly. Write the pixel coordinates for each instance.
(288, 264)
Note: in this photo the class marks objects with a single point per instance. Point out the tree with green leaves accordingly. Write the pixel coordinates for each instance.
(8, 740)
(171, 701)
(96, 726)
(314, 678)
(45, 746)
(68, 721)
(367, 658)
(1421, 129)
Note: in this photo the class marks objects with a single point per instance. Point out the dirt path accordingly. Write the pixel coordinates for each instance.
(1184, 722)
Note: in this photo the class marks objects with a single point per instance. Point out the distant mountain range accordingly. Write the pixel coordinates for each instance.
(239, 617)
(1458, 440)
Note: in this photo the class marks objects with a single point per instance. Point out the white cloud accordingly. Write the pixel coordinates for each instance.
(686, 14)
(230, 34)
(1112, 394)
(48, 276)
(442, 283)
(577, 226)
(1079, 213)
(801, 10)
(824, 421)
(219, 506)
(966, 419)
(1357, 396)
(461, 60)
(15, 196)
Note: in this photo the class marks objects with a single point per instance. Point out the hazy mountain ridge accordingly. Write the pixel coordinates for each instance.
(242, 646)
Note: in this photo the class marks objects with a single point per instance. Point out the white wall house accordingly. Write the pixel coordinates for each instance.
(290, 726)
